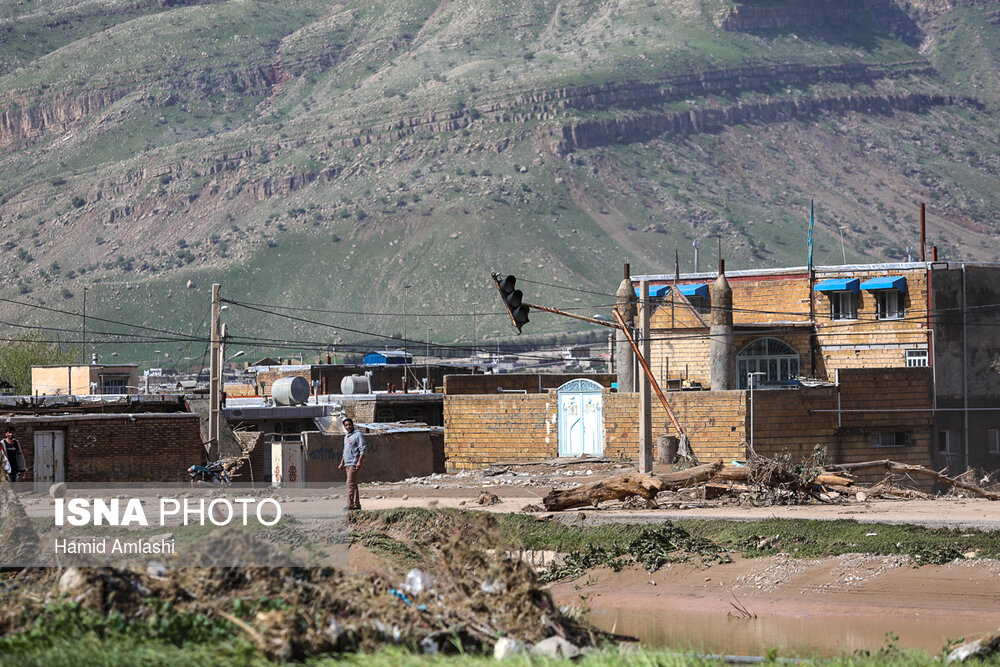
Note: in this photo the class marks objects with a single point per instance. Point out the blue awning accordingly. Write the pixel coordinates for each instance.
(655, 291)
(838, 285)
(886, 282)
(694, 289)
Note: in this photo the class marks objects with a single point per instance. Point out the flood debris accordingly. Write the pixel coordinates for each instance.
(980, 648)
(629, 485)
(761, 480)
(19, 543)
(462, 599)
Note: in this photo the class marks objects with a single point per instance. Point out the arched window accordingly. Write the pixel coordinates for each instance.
(775, 359)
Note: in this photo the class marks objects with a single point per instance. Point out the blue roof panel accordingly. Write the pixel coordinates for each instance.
(694, 289)
(655, 291)
(885, 282)
(839, 285)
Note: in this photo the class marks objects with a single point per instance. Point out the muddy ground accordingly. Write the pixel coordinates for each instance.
(826, 605)
(846, 602)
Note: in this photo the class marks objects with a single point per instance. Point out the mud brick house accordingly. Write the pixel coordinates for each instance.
(868, 361)
(118, 440)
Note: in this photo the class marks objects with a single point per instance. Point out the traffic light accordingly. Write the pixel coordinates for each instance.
(512, 300)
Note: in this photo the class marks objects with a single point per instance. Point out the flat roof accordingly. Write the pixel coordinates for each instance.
(892, 266)
(86, 366)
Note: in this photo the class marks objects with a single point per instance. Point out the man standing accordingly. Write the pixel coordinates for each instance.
(354, 454)
(13, 457)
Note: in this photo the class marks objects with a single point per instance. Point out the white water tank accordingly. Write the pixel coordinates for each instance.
(355, 384)
(290, 390)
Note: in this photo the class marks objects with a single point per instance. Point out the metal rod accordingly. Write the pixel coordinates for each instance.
(649, 374)
(85, 353)
(645, 404)
(556, 311)
(923, 232)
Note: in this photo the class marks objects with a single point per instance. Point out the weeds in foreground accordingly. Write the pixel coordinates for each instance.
(653, 548)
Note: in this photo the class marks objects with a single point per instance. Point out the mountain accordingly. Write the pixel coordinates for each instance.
(325, 155)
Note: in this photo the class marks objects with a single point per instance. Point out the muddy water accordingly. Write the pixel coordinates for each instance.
(819, 636)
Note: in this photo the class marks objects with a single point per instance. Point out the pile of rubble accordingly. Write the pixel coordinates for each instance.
(774, 480)
(464, 599)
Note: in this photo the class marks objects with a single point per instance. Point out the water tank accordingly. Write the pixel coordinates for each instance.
(293, 390)
(355, 384)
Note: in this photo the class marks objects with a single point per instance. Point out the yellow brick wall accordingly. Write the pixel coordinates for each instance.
(677, 313)
(794, 422)
(878, 343)
(862, 343)
(482, 429)
(715, 423)
(762, 299)
(681, 356)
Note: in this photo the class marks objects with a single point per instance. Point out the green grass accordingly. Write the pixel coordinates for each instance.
(800, 538)
(117, 651)
(366, 66)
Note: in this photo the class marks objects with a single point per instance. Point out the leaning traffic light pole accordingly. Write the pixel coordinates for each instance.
(518, 310)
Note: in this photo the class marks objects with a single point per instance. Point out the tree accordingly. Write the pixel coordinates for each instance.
(17, 358)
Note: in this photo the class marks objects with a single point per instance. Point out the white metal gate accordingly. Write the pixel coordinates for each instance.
(48, 463)
(581, 418)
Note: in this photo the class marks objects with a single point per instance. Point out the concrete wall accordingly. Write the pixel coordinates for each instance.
(965, 344)
(120, 448)
(390, 457)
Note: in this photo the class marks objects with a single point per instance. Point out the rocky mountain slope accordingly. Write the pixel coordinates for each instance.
(321, 154)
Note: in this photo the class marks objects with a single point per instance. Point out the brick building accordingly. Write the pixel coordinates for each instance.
(109, 448)
(869, 361)
(794, 323)
(85, 379)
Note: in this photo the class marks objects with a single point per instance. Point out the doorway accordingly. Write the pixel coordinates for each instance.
(581, 418)
(49, 461)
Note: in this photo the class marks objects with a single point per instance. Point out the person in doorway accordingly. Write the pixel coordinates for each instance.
(13, 456)
(354, 454)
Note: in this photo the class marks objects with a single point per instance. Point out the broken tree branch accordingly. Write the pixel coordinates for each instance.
(622, 487)
(893, 466)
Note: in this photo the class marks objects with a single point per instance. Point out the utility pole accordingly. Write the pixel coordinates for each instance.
(222, 383)
(645, 402)
(406, 377)
(85, 325)
(214, 377)
(475, 337)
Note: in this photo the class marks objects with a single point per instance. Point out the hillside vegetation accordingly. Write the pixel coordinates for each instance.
(326, 154)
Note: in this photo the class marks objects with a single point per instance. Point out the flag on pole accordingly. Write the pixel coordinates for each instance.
(809, 238)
